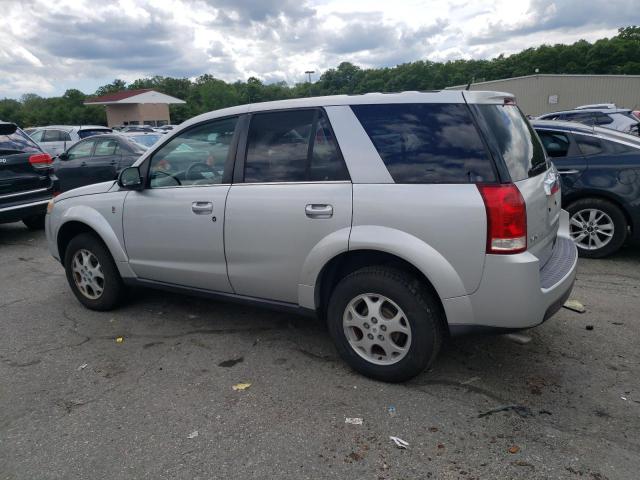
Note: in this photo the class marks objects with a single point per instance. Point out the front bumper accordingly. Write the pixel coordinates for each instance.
(515, 293)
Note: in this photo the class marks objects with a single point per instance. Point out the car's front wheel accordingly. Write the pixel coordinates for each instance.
(92, 273)
(597, 226)
(385, 323)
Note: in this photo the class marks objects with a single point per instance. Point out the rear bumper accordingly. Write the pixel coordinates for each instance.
(515, 293)
(17, 212)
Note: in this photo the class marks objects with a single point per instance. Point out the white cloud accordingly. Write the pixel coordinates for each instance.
(49, 46)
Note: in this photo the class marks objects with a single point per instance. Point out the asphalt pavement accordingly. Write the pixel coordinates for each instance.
(76, 404)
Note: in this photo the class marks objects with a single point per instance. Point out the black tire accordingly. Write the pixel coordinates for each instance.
(619, 225)
(113, 288)
(417, 302)
(34, 223)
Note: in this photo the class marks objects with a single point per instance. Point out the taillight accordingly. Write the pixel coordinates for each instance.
(40, 160)
(506, 218)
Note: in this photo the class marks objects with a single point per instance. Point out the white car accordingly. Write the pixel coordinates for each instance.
(399, 219)
(55, 139)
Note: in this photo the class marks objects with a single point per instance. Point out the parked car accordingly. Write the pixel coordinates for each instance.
(620, 119)
(600, 172)
(597, 106)
(95, 159)
(27, 181)
(144, 139)
(398, 218)
(57, 138)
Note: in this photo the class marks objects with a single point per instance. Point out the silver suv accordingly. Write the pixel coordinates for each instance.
(398, 218)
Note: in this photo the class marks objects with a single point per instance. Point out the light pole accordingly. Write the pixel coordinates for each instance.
(309, 72)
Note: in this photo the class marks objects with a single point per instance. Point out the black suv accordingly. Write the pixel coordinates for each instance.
(27, 181)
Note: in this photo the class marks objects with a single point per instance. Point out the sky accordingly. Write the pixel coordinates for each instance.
(49, 46)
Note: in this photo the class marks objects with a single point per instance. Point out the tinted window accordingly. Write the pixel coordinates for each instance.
(17, 142)
(512, 138)
(619, 148)
(427, 142)
(80, 150)
(555, 143)
(106, 148)
(292, 146)
(89, 133)
(588, 145)
(194, 157)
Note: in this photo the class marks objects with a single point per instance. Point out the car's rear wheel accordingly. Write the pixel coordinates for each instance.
(92, 273)
(34, 223)
(597, 226)
(385, 323)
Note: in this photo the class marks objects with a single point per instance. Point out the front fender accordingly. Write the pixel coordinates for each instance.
(103, 214)
(94, 219)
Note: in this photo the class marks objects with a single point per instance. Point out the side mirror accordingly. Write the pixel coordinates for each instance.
(130, 179)
(63, 156)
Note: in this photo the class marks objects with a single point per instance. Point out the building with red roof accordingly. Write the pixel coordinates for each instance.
(144, 106)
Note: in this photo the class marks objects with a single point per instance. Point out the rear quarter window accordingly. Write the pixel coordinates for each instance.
(511, 138)
(427, 142)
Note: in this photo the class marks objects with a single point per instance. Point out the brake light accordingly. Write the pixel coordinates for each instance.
(506, 218)
(509, 101)
(40, 160)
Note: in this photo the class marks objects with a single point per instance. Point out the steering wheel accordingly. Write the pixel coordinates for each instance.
(196, 170)
(162, 172)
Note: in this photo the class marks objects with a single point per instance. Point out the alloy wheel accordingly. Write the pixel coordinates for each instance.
(87, 274)
(377, 329)
(591, 229)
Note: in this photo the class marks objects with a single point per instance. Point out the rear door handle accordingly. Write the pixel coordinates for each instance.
(318, 210)
(202, 208)
(83, 164)
(568, 172)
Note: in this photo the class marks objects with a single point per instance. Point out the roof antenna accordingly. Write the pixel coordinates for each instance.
(473, 79)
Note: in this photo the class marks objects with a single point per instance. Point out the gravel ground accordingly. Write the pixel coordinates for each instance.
(74, 403)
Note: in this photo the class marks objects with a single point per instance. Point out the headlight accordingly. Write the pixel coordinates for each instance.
(50, 206)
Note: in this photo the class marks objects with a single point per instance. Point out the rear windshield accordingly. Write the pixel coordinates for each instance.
(427, 142)
(89, 133)
(511, 137)
(17, 142)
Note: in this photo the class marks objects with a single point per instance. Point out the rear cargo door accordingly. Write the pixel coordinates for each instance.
(511, 138)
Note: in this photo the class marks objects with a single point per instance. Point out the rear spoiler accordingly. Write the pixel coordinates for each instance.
(8, 128)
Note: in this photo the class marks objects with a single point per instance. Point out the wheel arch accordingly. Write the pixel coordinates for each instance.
(83, 219)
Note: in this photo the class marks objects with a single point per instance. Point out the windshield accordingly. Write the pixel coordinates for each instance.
(145, 140)
(511, 137)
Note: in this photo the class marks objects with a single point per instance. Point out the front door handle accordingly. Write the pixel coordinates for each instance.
(568, 172)
(318, 210)
(83, 164)
(202, 208)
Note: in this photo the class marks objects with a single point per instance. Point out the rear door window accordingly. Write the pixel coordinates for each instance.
(511, 137)
(53, 136)
(80, 150)
(292, 146)
(589, 145)
(105, 148)
(427, 142)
